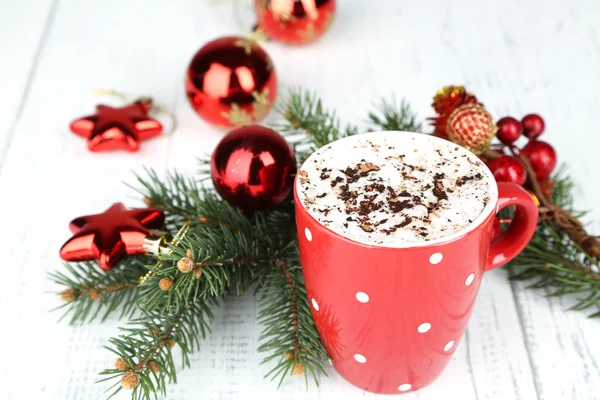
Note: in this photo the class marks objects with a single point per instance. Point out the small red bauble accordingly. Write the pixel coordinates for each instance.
(542, 157)
(508, 169)
(252, 168)
(231, 82)
(533, 125)
(113, 128)
(110, 236)
(294, 21)
(472, 127)
(509, 130)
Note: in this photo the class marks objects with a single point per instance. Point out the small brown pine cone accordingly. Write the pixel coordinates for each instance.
(68, 295)
(121, 364)
(202, 219)
(289, 354)
(130, 380)
(165, 284)
(94, 294)
(185, 265)
(298, 370)
(148, 202)
(197, 272)
(170, 343)
(189, 254)
(153, 366)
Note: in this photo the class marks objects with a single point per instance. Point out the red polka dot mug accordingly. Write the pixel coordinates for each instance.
(391, 318)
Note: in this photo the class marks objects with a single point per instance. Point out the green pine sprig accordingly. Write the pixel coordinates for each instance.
(394, 116)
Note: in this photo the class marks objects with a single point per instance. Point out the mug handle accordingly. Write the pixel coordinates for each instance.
(517, 236)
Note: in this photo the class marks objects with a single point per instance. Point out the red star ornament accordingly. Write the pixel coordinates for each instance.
(110, 236)
(117, 128)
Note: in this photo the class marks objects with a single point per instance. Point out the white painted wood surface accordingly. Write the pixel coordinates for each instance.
(518, 57)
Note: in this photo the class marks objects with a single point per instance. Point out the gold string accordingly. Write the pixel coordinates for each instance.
(175, 242)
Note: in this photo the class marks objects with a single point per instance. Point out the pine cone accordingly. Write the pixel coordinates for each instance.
(185, 265)
(165, 284)
(197, 272)
(153, 366)
(68, 295)
(121, 364)
(130, 380)
(298, 370)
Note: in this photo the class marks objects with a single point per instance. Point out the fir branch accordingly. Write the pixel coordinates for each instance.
(306, 117)
(553, 261)
(392, 116)
(145, 360)
(289, 333)
(90, 292)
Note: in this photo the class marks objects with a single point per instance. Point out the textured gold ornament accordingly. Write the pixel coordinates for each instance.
(472, 127)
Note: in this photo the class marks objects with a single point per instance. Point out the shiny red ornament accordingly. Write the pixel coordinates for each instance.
(446, 100)
(294, 21)
(113, 128)
(252, 168)
(542, 158)
(509, 130)
(109, 236)
(508, 169)
(533, 126)
(231, 82)
(472, 127)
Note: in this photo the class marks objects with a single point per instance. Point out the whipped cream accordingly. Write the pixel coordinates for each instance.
(394, 188)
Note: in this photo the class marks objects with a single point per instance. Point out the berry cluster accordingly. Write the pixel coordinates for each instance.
(542, 157)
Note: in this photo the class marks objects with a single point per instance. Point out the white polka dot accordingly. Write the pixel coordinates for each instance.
(362, 297)
(330, 362)
(436, 258)
(404, 387)
(315, 304)
(424, 327)
(360, 358)
(308, 234)
(449, 345)
(469, 279)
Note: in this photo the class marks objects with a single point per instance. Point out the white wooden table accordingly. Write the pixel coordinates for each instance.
(518, 57)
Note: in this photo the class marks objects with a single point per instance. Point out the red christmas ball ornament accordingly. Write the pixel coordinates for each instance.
(542, 158)
(533, 125)
(508, 169)
(294, 21)
(509, 130)
(252, 168)
(231, 82)
(472, 127)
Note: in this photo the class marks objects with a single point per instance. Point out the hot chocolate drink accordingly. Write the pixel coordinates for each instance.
(394, 189)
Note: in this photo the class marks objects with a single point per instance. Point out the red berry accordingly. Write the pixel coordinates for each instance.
(542, 157)
(508, 169)
(509, 130)
(533, 125)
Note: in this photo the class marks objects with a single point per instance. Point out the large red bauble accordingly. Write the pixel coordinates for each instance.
(542, 158)
(509, 130)
(252, 168)
(472, 127)
(533, 125)
(294, 21)
(231, 82)
(110, 236)
(508, 169)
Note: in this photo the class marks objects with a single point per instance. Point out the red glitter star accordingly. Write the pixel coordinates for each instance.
(117, 128)
(111, 235)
